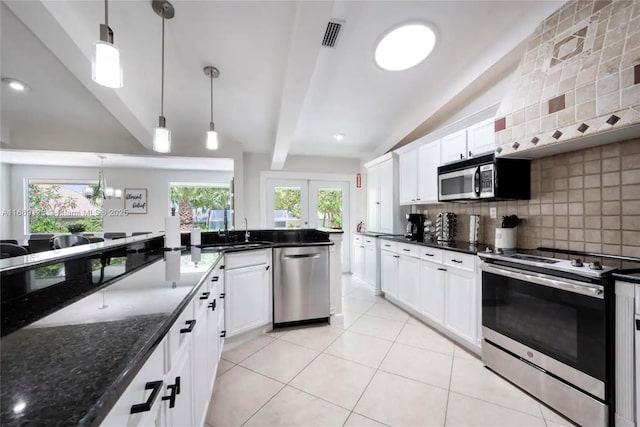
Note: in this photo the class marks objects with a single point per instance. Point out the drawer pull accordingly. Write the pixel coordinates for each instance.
(222, 267)
(457, 261)
(222, 295)
(212, 305)
(428, 254)
(368, 241)
(146, 406)
(215, 278)
(396, 256)
(267, 267)
(190, 324)
(175, 390)
(387, 246)
(406, 250)
(223, 334)
(205, 295)
(362, 247)
(442, 269)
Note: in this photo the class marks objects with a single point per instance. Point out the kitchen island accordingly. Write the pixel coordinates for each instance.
(73, 358)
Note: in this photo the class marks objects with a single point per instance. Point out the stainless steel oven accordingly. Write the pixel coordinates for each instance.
(548, 332)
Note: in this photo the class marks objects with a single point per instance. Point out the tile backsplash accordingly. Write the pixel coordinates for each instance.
(587, 200)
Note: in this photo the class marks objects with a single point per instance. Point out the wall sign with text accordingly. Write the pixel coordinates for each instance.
(135, 200)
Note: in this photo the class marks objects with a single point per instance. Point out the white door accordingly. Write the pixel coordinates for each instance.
(298, 203)
(248, 298)
(287, 203)
(370, 265)
(429, 160)
(459, 306)
(389, 273)
(408, 183)
(179, 387)
(358, 262)
(373, 198)
(453, 147)
(385, 176)
(481, 138)
(408, 273)
(431, 291)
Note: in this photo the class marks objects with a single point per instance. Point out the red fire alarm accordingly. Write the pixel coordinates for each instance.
(358, 180)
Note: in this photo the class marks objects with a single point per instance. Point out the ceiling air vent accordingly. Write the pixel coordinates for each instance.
(332, 33)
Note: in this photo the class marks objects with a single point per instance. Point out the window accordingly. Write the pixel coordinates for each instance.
(202, 205)
(55, 206)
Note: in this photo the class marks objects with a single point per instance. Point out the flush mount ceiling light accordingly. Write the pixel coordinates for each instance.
(162, 135)
(338, 136)
(404, 47)
(14, 84)
(105, 66)
(212, 135)
(101, 191)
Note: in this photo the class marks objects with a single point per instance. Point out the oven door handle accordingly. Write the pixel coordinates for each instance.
(569, 285)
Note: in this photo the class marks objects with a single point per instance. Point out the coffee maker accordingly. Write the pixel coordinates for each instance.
(415, 227)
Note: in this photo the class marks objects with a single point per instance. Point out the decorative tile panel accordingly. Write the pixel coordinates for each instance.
(580, 68)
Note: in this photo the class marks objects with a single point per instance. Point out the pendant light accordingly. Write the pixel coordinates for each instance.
(102, 190)
(105, 66)
(212, 136)
(162, 135)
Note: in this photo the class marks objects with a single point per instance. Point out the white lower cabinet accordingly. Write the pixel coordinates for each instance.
(248, 296)
(370, 253)
(389, 273)
(358, 261)
(431, 291)
(178, 394)
(460, 301)
(408, 277)
(366, 261)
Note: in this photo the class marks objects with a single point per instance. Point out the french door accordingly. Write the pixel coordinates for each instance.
(299, 203)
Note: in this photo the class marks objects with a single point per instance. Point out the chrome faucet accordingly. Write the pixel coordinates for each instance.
(246, 231)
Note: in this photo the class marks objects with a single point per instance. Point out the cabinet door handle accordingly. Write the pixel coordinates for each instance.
(222, 267)
(396, 256)
(461, 156)
(190, 324)
(223, 334)
(442, 269)
(428, 254)
(406, 250)
(387, 246)
(222, 295)
(146, 406)
(175, 390)
(212, 305)
(362, 247)
(215, 278)
(205, 295)
(470, 154)
(267, 267)
(456, 261)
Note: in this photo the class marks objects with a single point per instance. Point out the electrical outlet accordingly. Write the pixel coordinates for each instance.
(493, 213)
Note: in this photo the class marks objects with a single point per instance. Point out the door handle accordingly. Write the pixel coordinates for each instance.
(189, 329)
(212, 305)
(215, 278)
(637, 324)
(267, 267)
(146, 406)
(406, 250)
(222, 295)
(442, 269)
(428, 254)
(303, 256)
(396, 256)
(175, 390)
(205, 295)
(223, 334)
(457, 261)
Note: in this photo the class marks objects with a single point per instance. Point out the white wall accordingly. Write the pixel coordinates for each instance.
(5, 200)
(254, 163)
(156, 181)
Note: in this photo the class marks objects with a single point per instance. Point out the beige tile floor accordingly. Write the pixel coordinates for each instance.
(383, 368)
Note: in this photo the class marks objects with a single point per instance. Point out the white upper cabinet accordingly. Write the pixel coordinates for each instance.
(383, 208)
(481, 138)
(408, 176)
(453, 147)
(385, 177)
(428, 162)
(373, 198)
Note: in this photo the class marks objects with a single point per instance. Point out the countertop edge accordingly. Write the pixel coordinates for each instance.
(434, 245)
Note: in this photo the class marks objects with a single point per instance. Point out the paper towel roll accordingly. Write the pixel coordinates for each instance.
(196, 255)
(195, 236)
(172, 266)
(172, 232)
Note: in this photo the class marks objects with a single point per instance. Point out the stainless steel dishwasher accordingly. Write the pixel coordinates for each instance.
(300, 284)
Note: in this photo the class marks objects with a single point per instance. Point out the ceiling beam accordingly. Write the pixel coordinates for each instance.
(306, 37)
(54, 24)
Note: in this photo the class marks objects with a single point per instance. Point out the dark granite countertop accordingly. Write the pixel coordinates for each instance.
(68, 363)
(630, 275)
(375, 234)
(457, 246)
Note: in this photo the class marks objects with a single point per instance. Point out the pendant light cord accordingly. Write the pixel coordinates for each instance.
(211, 78)
(106, 13)
(162, 72)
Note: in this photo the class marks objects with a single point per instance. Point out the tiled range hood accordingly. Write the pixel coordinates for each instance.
(578, 81)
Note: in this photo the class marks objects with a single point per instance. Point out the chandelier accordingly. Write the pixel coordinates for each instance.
(101, 190)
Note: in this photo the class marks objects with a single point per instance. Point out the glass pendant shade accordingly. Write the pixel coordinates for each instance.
(212, 140)
(118, 193)
(108, 192)
(162, 140)
(106, 68)
(87, 192)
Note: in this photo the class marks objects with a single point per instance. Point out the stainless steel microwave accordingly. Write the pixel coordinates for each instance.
(485, 178)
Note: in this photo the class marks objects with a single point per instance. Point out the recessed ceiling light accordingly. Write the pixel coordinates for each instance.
(405, 47)
(14, 84)
(338, 136)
